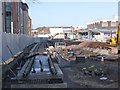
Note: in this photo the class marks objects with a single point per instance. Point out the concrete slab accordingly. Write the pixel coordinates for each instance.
(46, 74)
(37, 65)
(58, 85)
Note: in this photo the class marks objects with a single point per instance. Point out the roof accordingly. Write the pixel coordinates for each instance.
(59, 27)
(114, 19)
(100, 30)
(103, 30)
(53, 27)
(83, 31)
(25, 6)
(43, 30)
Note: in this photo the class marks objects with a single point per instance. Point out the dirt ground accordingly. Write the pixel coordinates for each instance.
(75, 78)
(74, 75)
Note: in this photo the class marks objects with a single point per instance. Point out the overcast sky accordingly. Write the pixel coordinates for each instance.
(70, 13)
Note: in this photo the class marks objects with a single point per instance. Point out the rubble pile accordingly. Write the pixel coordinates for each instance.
(92, 44)
(63, 52)
(99, 45)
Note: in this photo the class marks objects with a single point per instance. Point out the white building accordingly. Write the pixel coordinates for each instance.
(108, 23)
(34, 30)
(67, 31)
(60, 35)
(54, 30)
(44, 35)
(79, 27)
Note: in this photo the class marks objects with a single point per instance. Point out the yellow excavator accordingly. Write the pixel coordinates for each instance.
(115, 41)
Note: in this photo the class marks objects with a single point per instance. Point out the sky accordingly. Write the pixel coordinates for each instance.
(69, 13)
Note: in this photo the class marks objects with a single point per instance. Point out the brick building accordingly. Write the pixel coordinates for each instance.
(15, 18)
(104, 24)
(25, 19)
(30, 25)
(43, 30)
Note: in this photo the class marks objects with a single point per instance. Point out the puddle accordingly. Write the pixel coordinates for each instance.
(67, 68)
(48, 73)
(46, 69)
(38, 69)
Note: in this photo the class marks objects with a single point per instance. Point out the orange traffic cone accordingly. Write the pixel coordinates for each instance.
(102, 60)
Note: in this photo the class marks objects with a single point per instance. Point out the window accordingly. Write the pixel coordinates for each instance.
(8, 13)
(104, 24)
(113, 24)
(8, 17)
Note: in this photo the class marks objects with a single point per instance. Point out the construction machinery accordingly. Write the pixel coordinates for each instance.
(115, 41)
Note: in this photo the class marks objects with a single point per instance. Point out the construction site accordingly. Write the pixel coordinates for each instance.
(79, 64)
(57, 57)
